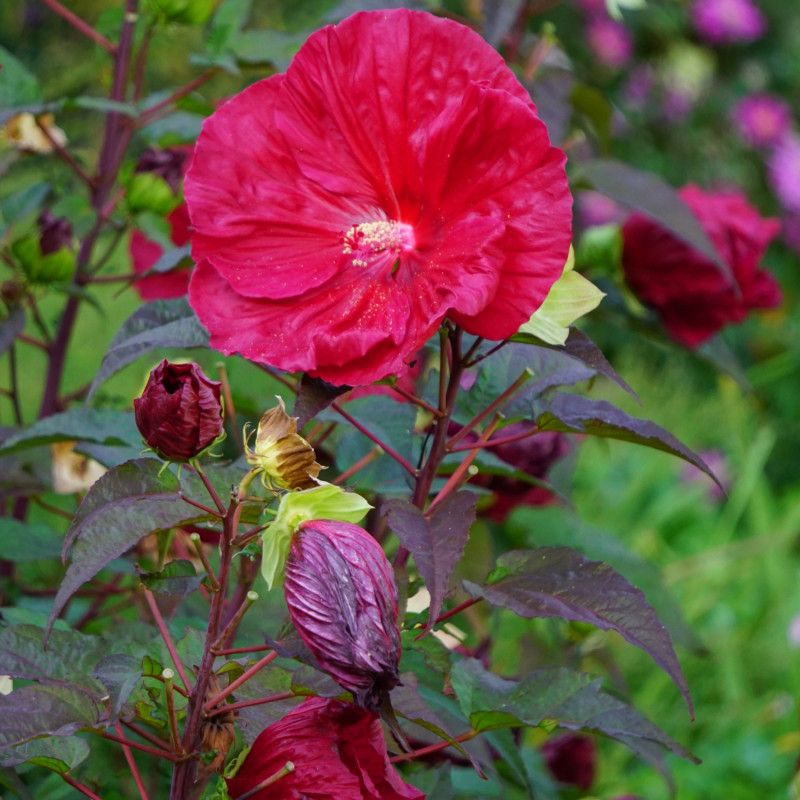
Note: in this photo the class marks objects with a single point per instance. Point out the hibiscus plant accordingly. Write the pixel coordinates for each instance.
(269, 587)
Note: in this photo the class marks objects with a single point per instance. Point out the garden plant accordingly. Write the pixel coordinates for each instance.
(320, 475)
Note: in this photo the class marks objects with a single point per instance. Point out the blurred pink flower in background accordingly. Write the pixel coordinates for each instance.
(727, 21)
(718, 464)
(762, 119)
(610, 42)
(639, 86)
(783, 168)
(592, 7)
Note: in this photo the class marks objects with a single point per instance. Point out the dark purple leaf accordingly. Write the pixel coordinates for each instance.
(162, 323)
(499, 17)
(102, 426)
(560, 582)
(178, 578)
(580, 346)
(551, 90)
(314, 396)
(572, 413)
(651, 195)
(126, 504)
(11, 327)
(38, 710)
(574, 700)
(56, 754)
(119, 673)
(550, 367)
(436, 542)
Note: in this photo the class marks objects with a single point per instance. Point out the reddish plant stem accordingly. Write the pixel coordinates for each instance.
(359, 465)
(243, 678)
(137, 778)
(143, 747)
(417, 401)
(235, 651)
(146, 735)
(246, 703)
(64, 155)
(496, 404)
(165, 635)
(84, 790)
(98, 601)
(184, 774)
(496, 442)
(201, 506)
(460, 475)
(201, 554)
(231, 625)
(14, 379)
(243, 538)
(457, 609)
(385, 447)
(81, 26)
(155, 112)
(172, 717)
(433, 748)
(211, 490)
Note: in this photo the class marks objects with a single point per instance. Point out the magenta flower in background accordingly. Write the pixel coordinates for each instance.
(728, 21)
(592, 7)
(783, 169)
(610, 42)
(572, 759)
(395, 175)
(691, 294)
(639, 86)
(762, 119)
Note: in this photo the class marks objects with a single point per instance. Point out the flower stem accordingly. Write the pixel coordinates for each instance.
(81, 26)
(154, 112)
(201, 554)
(359, 465)
(211, 490)
(234, 651)
(247, 703)
(84, 790)
(385, 447)
(169, 694)
(234, 621)
(287, 769)
(457, 609)
(433, 748)
(143, 747)
(165, 635)
(137, 778)
(243, 678)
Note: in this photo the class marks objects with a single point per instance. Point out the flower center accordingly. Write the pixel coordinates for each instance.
(370, 238)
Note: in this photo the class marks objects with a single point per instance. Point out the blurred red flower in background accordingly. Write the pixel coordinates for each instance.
(690, 293)
(338, 752)
(397, 173)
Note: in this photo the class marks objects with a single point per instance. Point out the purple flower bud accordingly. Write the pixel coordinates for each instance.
(179, 413)
(342, 598)
(169, 164)
(54, 232)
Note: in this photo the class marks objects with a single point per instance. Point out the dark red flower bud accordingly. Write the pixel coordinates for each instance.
(179, 413)
(342, 598)
(54, 232)
(338, 753)
(572, 759)
(169, 164)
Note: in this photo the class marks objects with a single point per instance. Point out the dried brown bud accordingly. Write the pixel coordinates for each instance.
(218, 734)
(285, 458)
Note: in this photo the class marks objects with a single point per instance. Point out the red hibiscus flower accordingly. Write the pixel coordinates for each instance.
(689, 292)
(338, 752)
(397, 173)
(145, 253)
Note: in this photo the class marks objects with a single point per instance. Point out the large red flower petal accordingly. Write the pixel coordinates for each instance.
(397, 173)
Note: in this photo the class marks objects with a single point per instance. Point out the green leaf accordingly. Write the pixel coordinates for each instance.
(571, 413)
(177, 578)
(102, 104)
(225, 26)
(162, 323)
(38, 710)
(123, 506)
(18, 86)
(573, 700)
(652, 196)
(560, 582)
(265, 46)
(100, 426)
(26, 201)
(57, 754)
(571, 297)
(29, 541)
(594, 105)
